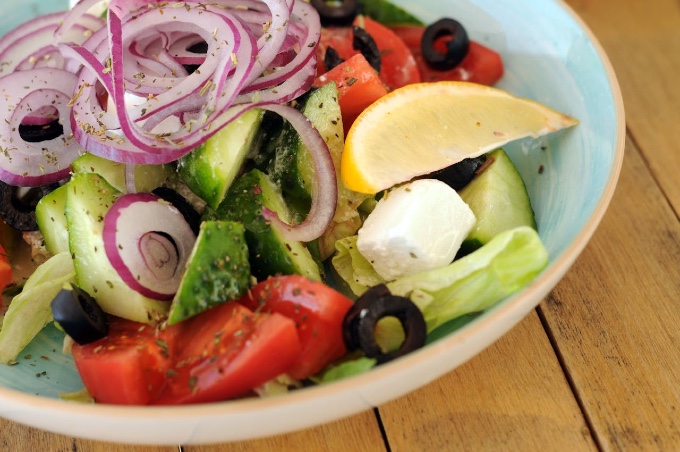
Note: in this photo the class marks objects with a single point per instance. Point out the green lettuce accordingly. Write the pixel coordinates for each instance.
(30, 311)
(506, 264)
(353, 268)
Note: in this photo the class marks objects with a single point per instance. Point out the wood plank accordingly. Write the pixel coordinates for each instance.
(359, 433)
(19, 438)
(642, 40)
(615, 318)
(512, 396)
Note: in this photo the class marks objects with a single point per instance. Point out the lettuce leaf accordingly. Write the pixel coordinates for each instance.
(353, 268)
(30, 311)
(387, 13)
(505, 265)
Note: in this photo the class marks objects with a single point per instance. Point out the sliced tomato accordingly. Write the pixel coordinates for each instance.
(127, 367)
(481, 65)
(359, 85)
(226, 352)
(398, 67)
(5, 269)
(318, 311)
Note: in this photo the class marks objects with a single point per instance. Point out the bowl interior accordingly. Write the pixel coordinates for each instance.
(570, 175)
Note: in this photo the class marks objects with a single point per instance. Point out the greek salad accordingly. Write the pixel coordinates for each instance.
(175, 168)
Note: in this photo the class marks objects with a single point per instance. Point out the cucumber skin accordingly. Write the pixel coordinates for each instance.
(51, 219)
(88, 198)
(218, 270)
(210, 169)
(497, 209)
(270, 253)
(292, 168)
(147, 177)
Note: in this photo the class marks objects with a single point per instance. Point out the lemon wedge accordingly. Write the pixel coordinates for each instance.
(425, 127)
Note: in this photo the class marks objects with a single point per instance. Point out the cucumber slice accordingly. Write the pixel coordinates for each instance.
(211, 168)
(218, 270)
(49, 214)
(270, 253)
(88, 198)
(147, 177)
(293, 170)
(499, 200)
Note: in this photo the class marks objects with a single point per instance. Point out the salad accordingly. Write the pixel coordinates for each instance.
(196, 239)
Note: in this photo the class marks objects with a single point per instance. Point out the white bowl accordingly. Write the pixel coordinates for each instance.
(550, 56)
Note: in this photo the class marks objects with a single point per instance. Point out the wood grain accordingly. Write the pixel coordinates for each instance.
(513, 396)
(642, 40)
(359, 433)
(618, 334)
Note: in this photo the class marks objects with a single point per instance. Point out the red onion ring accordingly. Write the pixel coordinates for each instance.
(32, 164)
(261, 53)
(325, 188)
(148, 242)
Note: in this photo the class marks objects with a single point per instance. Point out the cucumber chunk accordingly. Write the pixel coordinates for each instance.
(88, 198)
(499, 200)
(49, 214)
(211, 168)
(293, 170)
(147, 177)
(270, 253)
(218, 270)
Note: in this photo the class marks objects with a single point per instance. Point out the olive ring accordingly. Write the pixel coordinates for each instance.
(456, 48)
(375, 304)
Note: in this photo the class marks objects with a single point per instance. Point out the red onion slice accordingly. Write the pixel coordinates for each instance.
(148, 242)
(25, 94)
(325, 184)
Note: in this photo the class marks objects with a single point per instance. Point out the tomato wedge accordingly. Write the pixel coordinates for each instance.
(217, 355)
(481, 65)
(318, 311)
(398, 67)
(358, 87)
(127, 367)
(226, 352)
(5, 269)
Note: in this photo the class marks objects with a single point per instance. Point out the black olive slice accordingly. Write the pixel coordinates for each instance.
(17, 204)
(335, 12)
(457, 47)
(192, 217)
(364, 43)
(79, 315)
(375, 304)
(332, 58)
(460, 174)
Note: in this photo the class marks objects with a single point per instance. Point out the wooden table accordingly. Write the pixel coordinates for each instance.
(597, 365)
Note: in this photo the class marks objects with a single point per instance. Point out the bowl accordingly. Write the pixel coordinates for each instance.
(550, 56)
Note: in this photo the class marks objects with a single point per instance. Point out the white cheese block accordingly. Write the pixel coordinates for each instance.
(416, 227)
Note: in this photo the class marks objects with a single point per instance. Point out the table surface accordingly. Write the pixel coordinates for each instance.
(596, 365)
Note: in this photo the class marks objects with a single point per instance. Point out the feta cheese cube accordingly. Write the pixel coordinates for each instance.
(416, 227)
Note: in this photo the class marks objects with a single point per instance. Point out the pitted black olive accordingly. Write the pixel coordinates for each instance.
(17, 204)
(335, 12)
(364, 43)
(79, 315)
(456, 48)
(460, 174)
(192, 217)
(42, 132)
(332, 58)
(375, 304)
